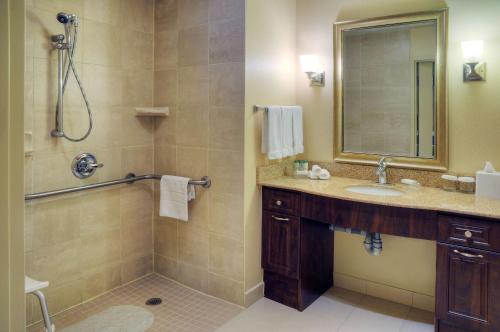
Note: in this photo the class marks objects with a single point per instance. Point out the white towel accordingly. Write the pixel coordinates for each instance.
(175, 193)
(287, 120)
(272, 133)
(298, 135)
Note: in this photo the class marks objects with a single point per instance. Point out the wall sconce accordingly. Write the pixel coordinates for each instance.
(474, 69)
(310, 65)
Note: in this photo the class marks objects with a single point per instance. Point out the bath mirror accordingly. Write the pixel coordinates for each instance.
(390, 91)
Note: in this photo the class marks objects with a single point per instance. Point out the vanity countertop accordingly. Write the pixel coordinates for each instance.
(416, 197)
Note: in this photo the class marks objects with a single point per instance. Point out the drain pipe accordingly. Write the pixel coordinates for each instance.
(372, 243)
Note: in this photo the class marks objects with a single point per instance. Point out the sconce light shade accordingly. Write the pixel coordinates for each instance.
(473, 69)
(309, 63)
(311, 66)
(473, 50)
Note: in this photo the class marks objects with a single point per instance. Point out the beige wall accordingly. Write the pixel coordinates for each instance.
(473, 117)
(269, 79)
(199, 74)
(11, 170)
(90, 242)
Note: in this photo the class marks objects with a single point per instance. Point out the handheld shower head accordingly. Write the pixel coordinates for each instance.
(65, 18)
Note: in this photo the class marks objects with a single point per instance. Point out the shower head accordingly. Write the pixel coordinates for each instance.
(65, 18)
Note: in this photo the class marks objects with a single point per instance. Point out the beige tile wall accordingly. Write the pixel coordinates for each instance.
(199, 74)
(87, 243)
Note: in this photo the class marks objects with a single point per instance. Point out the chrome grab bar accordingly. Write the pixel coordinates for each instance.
(205, 182)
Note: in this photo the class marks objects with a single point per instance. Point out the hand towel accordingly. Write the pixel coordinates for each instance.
(298, 135)
(175, 193)
(272, 133)
(287, 127)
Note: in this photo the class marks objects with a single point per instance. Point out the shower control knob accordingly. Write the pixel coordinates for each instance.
(84, 165)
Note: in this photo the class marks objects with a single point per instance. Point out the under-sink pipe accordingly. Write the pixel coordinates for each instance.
(372, 243)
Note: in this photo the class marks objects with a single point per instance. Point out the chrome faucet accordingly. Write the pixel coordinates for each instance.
(382, 171)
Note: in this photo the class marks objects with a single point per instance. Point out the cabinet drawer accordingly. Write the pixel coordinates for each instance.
(281, 201)
(468, 232)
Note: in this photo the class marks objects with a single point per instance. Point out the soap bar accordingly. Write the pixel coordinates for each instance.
(488, 184)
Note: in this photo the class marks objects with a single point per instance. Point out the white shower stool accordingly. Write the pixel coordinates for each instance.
(32, 286)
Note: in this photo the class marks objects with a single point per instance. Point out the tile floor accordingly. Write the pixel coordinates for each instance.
(337, 310)
(182, 309)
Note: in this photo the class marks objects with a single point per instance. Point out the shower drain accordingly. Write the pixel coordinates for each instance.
(153, 301)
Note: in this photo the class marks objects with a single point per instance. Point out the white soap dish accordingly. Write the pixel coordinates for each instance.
(152, 111)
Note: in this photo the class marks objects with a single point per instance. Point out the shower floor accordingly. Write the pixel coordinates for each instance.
(182, 309)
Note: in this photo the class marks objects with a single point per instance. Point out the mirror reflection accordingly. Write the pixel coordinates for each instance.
(389, 99)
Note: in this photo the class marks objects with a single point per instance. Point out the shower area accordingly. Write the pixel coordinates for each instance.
(118, 93)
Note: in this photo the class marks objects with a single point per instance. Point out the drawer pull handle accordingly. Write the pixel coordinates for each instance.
(467, 255)
(280, 219)
(468, 234)
(279, 203)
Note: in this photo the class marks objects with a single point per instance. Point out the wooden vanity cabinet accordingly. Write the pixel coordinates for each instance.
(468, 279)
(297, 253)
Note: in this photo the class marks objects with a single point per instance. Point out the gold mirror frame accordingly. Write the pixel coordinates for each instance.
(441, 161)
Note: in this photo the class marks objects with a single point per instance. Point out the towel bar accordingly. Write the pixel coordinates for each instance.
(205, 182)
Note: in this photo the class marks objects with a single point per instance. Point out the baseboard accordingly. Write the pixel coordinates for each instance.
(386, 292)
(254, 294)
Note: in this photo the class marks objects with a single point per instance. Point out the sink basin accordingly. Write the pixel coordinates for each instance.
(374, 190)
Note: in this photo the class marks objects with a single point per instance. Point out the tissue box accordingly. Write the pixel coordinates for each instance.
(488, 184)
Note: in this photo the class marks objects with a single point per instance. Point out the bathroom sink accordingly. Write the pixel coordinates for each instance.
(374, 190)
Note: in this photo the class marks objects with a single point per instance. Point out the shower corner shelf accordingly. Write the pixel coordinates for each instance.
(28, 143)
(151, 111)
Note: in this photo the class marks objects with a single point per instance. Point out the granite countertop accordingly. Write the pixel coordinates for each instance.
(417, 197)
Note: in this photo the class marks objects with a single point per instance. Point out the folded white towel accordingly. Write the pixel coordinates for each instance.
(298, 135)
(272, 133)
(175, 193)
(324, 174)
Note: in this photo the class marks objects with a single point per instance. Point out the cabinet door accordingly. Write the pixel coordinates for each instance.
(468, 281)
(280, 244)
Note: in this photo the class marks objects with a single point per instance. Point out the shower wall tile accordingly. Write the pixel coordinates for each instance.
(226, 128)
(104, 11)
(192, 126)
(136, 50)
(224, 210)
(192, 13)
(166, 50)
(227, 41)
(193, 246)
(193, 46)
(166, 86)
(165, 129)
(193, 86)
(165, 15)
(225, 288)
(101, 43)
(165, 239)
(227, 84)
(87, 243)
(136, 267)
(226, 257)
(193, 276)
(227, 9)
(138, 15)
(202, 41)
(99, 280)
